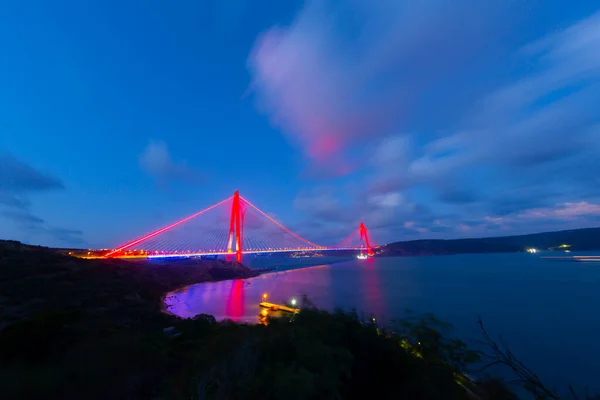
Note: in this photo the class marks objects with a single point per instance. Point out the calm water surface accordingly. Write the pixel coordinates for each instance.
(548, 312)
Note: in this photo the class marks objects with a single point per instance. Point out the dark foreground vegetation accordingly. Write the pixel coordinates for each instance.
(75, 328)
(577, 239)
(93, 329)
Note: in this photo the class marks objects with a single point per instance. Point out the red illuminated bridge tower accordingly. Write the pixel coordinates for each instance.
(364, 238)
(236, 226)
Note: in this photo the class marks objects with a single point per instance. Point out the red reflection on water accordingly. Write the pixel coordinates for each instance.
(235, 301)
(374, 302)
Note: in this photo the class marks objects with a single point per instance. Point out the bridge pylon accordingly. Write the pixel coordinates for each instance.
(236, 226)
(364, 238)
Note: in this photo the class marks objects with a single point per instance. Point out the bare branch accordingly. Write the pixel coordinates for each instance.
(573, 393)
(502, 355)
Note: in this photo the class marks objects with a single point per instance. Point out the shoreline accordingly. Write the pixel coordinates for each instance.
(165, 307)
(58, 310)
(36, 280)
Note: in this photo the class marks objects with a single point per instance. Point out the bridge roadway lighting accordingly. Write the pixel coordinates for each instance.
(240, 208)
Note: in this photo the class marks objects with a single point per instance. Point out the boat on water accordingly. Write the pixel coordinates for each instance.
(587, 258)
(273, 310)
(364, 256)
(575, 258)
(291, 307)
(279, 307)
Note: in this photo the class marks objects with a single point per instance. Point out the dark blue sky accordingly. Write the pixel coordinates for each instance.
(423, 119)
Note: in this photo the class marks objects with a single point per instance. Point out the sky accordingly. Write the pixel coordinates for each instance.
(429, 119)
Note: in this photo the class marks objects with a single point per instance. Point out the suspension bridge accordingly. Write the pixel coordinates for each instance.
(232, 227)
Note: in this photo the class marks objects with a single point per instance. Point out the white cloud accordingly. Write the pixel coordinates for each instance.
(157, 162)
(387, 200)
(321, 202)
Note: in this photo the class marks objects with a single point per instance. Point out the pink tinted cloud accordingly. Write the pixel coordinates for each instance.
(333, 83)
(565, 211)
(296, 90)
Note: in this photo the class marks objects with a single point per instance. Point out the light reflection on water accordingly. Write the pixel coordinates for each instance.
(239, 299)
(548, 312)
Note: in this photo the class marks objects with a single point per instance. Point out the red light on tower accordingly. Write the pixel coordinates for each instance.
(235, 226)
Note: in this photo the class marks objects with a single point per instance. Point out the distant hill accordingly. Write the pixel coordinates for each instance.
(577, 240)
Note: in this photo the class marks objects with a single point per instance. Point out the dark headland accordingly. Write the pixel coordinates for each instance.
(587, 239)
